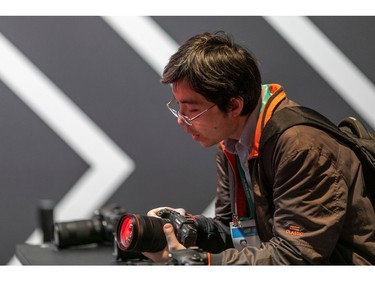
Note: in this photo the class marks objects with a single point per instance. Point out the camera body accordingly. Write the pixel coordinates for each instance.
(109, 217)
(190, 256)
(184, 227)
(100, 229)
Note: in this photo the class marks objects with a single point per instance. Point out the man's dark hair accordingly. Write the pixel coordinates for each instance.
(216, 68)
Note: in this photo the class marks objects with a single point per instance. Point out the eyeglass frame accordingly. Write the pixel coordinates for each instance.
(187, 120)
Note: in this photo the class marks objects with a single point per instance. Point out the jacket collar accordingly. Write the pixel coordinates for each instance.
(277, 94)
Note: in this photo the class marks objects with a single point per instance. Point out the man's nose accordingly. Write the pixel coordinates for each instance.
(180, 121)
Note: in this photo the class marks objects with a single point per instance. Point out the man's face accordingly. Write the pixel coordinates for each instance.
(211, 127)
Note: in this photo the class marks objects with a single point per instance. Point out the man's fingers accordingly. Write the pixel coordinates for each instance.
(172, 241)
(170, 236)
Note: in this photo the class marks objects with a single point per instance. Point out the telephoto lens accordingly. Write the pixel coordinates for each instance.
(100, 229)
(140, 233)
(79, 232)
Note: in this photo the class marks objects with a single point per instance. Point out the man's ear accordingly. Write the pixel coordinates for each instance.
(236, 106)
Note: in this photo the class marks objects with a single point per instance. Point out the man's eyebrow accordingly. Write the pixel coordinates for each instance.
(188, 101)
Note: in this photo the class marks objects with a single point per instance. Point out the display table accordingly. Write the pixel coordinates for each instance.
(48, 254)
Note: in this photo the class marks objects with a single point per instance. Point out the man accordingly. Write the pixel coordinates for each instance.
(307, 208)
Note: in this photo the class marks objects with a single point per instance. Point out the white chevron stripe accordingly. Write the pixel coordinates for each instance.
(109, 165)
(329, 62)
(154, 45)
(147, 38)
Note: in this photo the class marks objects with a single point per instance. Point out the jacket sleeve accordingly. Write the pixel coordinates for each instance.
(213, 233)
(309, 198)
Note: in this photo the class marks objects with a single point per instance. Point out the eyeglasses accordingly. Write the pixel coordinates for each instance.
(186, 119)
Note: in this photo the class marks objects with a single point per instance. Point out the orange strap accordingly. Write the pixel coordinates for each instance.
(265, 115)
(208, 258)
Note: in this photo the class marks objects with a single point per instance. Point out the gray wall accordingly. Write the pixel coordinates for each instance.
(113, 85)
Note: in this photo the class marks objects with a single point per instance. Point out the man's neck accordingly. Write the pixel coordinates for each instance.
(242, 120)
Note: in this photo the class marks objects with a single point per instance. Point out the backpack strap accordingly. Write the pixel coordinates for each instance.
(265, 115)
(292, 116)
(355, 127)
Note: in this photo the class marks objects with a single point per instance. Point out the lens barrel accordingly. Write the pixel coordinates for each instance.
(140, 233)
(78, 233)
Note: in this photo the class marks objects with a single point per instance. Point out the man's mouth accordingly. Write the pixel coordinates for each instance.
(193, 135)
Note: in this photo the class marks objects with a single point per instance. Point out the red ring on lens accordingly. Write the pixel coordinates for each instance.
(126, 232)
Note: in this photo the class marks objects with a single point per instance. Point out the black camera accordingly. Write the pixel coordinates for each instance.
(145, 234)
(100, 229)
(191, 256)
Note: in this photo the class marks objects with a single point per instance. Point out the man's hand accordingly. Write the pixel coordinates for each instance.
(172, 244)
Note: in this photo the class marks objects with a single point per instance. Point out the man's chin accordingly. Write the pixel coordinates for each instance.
(206, 144)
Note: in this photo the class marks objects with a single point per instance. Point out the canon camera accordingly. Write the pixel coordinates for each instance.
(145, 234)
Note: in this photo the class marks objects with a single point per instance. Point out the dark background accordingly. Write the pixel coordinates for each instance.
(118, 90)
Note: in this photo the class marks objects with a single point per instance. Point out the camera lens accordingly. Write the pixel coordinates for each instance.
(78, 233)
(126, 232)
(140, 233)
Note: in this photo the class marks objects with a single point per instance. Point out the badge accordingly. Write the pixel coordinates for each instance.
(245, 234)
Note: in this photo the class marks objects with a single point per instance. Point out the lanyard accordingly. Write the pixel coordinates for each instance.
(246, 187)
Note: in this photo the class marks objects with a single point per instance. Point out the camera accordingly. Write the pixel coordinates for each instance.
(145, 234)
(191, 256)
(100, 229)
